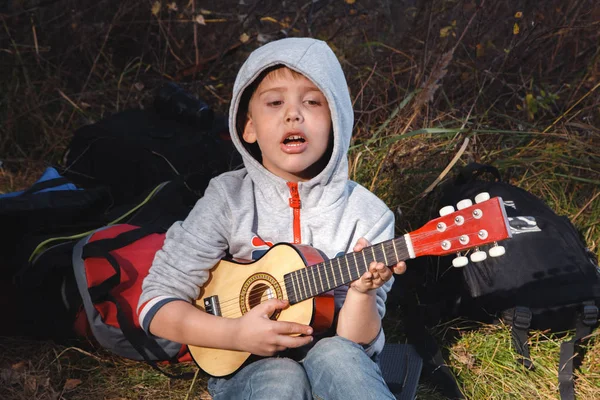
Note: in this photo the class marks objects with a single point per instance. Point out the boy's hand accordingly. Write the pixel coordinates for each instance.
(378, 273)
(257, 334)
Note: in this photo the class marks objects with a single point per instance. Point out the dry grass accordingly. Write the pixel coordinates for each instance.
(435, 84)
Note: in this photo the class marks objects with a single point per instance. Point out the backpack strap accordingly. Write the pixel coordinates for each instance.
(471, 171)
(434, 365)
(139, 339)
(586, 321)
(50, 183)
(519, 319)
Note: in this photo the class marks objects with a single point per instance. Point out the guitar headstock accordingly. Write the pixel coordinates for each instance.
(473, 225)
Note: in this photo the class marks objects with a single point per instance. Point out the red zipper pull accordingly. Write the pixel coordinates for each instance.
(295, 203)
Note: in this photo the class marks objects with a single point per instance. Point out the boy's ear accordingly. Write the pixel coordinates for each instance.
(249, 134)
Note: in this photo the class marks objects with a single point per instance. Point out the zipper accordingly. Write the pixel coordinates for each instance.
(295, 205)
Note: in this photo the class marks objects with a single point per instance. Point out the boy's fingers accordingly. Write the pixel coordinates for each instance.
(293, 328)
(293, 341)
(400, 268)
(268, 307)
(386, 274)
(361, 243)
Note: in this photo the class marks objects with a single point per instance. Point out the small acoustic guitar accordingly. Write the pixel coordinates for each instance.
(299, 274)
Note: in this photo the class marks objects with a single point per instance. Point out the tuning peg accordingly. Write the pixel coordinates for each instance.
(478, 256)
(481, 197)
(497, 251)
(460, 261)
(464, 204)
(446, 210)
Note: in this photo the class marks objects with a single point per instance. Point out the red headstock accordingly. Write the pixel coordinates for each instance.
(473, 226)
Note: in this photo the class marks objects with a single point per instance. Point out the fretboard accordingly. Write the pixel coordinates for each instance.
(320, 278)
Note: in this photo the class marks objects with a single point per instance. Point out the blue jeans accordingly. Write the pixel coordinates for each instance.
(335, 368)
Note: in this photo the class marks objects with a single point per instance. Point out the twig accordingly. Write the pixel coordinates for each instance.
(364, 85)
(447, 169)
(187, 396)
(195, 36)
(79, 350)
(586, 206)
(64, 96)
(571, 108)
(87, 80)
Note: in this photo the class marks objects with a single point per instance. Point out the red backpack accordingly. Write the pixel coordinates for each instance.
(110, 266)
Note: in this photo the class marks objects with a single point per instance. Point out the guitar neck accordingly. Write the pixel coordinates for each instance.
(320, 278)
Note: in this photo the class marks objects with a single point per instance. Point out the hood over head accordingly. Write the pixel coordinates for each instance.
(315, 60)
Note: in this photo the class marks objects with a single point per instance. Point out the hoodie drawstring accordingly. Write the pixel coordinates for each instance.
(295, 204)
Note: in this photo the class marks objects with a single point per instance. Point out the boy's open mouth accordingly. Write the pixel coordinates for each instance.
(294, 140)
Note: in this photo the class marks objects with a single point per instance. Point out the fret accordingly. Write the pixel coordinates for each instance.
(365, 258)
(356, 265)
(333, 273)
(395, 251)
(326, 276)
(384, 255)
(310, 293)
(318, 267)
(304, 296)
(348, 268)
(340, 269)
(314, 279)
(373, 251)
(294, 286)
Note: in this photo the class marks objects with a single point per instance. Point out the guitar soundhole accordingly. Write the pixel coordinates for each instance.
(258, 294)
(257, 289)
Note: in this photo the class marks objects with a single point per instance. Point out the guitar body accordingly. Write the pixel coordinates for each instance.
(239, 287)
(233, 288)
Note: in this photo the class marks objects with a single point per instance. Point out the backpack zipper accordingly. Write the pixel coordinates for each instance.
(295, 203)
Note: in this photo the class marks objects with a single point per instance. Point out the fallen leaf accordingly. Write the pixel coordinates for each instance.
(480, 50)
(350, 1)
(156, 8)
(19, 367)
(244, 38)
(445, 31)
(139, 86)
(200, 19)
(172, 6)
(515, 29)
(519, 14)
(71, 384)
(31, 384)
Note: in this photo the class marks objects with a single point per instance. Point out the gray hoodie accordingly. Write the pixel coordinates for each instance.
(242, 212)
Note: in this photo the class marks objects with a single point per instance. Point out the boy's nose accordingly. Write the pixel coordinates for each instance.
(293, 115)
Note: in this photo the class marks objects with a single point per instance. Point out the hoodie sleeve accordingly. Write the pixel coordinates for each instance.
(191, 249)
(382, 230)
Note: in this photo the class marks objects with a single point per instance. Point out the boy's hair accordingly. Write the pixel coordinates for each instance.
(243, 108)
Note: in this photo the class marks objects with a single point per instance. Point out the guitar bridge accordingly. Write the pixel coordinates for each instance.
(211, 305)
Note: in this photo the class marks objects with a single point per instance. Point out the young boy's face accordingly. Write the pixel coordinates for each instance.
(289, 118)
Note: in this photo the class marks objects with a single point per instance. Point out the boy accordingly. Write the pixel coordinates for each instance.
(291, 119)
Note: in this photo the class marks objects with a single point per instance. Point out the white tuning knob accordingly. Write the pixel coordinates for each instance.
(464, 204)
(460, 261)
(481, 197)
(478, 256)
(497, 251)
(446, 210)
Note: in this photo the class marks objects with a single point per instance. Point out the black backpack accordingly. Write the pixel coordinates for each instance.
(547, 279)
(143, 167)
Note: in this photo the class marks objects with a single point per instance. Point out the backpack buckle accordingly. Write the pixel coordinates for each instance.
(522, 318)
(590, 314)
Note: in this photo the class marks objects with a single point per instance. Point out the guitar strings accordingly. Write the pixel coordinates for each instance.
(306, 280)
(311, 284)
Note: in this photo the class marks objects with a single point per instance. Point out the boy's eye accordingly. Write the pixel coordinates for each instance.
(313, 102)
(274, 103)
